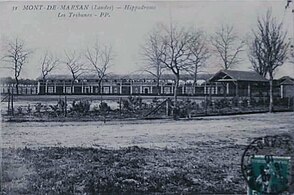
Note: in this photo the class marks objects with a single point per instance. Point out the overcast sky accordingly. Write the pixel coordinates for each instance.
(125, 30)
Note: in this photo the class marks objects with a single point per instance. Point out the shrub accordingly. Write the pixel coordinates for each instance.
(281, 101)
(103, 106)
(132, 103)
(80, 107)
(126, 105)
(222, 103)
(38, 108)
(59, 108)
(155, 100)
(19, 110)
(244, 102)
(235, 101)
(253, 102)
(29, 109)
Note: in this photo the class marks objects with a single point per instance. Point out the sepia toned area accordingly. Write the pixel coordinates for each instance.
(142, 97)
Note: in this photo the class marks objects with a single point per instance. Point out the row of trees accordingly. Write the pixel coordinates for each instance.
(97, 60)
(174, 49)
(179, 50)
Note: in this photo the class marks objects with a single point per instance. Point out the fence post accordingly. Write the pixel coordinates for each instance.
(120, 106)
(205, 104)
(12, 109)
(8, 106)
(65, 106)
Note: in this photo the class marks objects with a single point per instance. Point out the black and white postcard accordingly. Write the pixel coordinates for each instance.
(147, 97)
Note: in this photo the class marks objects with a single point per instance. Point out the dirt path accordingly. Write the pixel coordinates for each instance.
(151, 134)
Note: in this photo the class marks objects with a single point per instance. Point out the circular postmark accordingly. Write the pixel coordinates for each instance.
(267, 164)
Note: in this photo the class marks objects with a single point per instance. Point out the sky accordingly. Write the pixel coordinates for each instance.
(125, 30)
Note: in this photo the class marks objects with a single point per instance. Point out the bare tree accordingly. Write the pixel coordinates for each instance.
(152, 51)
(199, 54)
(268, 49)
(17, 55)
(49, 63)
(74, 65)
(227, 46)
(175, 52)
(100, 58)
(255, 57)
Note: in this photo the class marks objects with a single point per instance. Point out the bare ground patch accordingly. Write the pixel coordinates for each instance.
(60, 170)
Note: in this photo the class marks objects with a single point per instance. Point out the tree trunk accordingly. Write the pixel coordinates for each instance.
(16, 86)
(100, 91)
(194, 88)
(271, 94)
(158, 86)
(72, 87)
(176, 90)
(195, 81)
(99, 87)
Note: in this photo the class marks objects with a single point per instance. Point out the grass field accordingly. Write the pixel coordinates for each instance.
(157, 157)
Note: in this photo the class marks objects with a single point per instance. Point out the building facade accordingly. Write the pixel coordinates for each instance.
(240, 83)
(121, 85)
(286, 84)
(224, 83)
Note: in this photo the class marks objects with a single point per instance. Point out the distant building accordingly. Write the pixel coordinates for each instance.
(238, 83)
(228, 83)
(121, 85)
(286, 84)
(25, 86)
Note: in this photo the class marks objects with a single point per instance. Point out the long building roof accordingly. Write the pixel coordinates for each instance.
(131, 77)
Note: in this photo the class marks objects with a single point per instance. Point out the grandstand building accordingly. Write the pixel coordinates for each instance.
(223, 83)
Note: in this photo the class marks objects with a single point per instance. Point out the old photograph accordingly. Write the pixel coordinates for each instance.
(147, 97)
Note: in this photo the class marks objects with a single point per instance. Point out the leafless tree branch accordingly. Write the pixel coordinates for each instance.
(227, 46)
(100, 58)
(17, 55)
(49, 63)
(74, 64)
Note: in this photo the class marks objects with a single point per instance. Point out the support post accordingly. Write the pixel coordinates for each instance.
(65, 106)
(46, 87)
(38, 89)
(183, 89)
(54, 88)
(167, 107)
(82, 87)
(120, 88)
(228, 88)
(205, 88)
(63, 89)
(120, 106)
